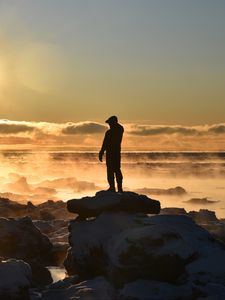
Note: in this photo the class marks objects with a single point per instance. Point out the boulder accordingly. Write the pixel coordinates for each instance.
(10, 208)
(57, 232)
(15, 280)
(48, 210)
(173, 211)
(203, 216)
(20, 239)
(212, 291)
(111, 201)
(95, 289)
(90, 239)
(126, 247)
(154, 290)
(59, 253)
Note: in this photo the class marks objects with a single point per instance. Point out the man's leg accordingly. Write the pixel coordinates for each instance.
(119, 180)
(110, 177)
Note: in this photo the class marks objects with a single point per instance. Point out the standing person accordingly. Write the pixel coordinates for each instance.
(112, 146)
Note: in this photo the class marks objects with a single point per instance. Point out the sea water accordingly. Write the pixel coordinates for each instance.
(39, 175)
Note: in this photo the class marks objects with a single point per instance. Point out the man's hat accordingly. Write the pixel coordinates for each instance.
(112, 120)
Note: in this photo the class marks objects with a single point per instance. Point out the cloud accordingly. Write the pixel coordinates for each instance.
(218, 128)
(159, 129)
(89, 135)
(9, 127)
(146, 130)
(84, 128)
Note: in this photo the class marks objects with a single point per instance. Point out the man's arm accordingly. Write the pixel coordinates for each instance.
(104, 144)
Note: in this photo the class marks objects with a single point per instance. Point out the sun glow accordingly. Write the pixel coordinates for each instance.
(40, 67)
(2, 75)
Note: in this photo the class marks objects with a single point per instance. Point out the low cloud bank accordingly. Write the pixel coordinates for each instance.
(90, 134)
(145, 130)
(84, 128)
(10, 127)
(90, 127)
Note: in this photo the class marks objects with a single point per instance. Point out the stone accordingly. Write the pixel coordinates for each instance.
(15, 280)
(94, 289)
(111, 201)
(126, 247)
(20, 239)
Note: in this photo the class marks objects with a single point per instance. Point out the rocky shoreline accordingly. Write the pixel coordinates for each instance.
(114, 247)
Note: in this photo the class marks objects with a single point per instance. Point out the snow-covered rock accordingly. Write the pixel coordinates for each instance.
(111, 201)
(212, 291)
(92, 240)
(126, 247)
(15, 280)
(96, 289)
(154, 290)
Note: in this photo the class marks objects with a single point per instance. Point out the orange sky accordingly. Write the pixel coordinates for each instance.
(158, 65)
(160, 62)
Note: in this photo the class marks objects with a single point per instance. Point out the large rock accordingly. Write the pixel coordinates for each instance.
(96, 289)
(111, 201)
(20, 239)
(126, 247)
(57, 232)
(173, 211)
(203, 216)
(10, 208)
(154, 290)
(15, 280)
(48, 210)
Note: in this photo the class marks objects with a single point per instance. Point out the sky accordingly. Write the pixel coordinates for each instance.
(150, 62)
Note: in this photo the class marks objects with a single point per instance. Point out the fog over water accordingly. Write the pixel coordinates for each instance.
(46, 174)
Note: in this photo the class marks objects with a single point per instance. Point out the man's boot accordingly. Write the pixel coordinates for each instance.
(120, 188)
(111, 179)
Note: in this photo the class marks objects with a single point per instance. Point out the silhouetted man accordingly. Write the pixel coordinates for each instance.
(112, 146)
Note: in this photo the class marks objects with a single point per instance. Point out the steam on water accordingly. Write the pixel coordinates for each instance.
(41, 175)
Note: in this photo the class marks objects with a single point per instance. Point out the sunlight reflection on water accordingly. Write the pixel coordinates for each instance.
(58, 175)
(57, 273)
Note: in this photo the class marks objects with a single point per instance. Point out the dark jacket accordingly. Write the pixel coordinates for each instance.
(112, 143)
